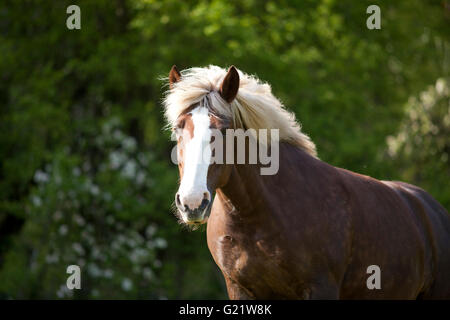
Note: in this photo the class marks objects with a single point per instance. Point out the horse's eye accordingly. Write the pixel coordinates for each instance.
(180, 124)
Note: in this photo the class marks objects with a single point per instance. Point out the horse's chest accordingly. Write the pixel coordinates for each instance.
(253, 263)
(231, 257)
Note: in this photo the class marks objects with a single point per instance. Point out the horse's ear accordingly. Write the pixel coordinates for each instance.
(230, 85)
(174, 76)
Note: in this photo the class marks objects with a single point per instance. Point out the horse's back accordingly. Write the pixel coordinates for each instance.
(434, 220)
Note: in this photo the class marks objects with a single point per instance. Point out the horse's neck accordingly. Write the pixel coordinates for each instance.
(252, 194)
(242, 189)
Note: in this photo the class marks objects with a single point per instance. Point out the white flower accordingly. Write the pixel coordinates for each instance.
(116, 159)
(52, 258)
(129, 144)
(76, 171)
(440, 86)
(63, 230)
(95, 190)
(37, 201)
(79, 220)
(108, 273)
(129, 170)
(140, 177)
(150, 231)
(118, 135)
(40, 176)
(127, 284)
(94, 270)
(63, 292)
(160, 243)
(148, 273)
(78, 248)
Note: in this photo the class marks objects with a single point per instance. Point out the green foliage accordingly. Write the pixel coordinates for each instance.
(421, 148)
(89, 209)
(85, 171)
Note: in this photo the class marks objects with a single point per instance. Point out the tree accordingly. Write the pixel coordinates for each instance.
(421, 147)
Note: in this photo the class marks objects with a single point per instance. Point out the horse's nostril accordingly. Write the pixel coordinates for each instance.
(204, 204)
(177, 199)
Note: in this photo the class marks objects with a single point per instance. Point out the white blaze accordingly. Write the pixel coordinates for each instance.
(197, 156)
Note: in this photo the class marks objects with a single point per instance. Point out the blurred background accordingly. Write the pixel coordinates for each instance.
(85, 170)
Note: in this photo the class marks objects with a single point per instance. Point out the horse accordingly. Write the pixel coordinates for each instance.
(310, 231)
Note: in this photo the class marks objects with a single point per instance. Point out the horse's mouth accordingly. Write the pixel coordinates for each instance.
(197, 222)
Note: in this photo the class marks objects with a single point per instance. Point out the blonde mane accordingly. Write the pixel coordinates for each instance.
(254, 107)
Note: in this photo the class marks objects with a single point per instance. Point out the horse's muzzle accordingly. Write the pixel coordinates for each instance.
(198, 215)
